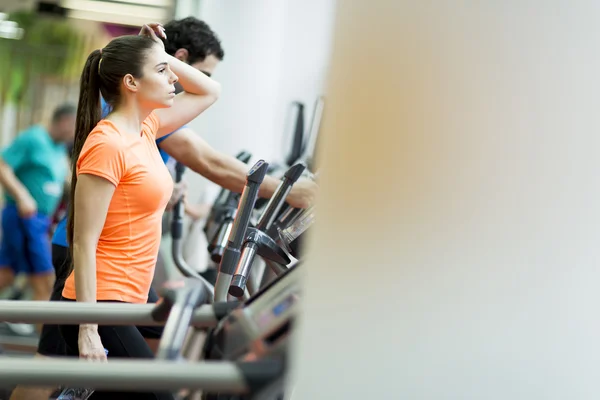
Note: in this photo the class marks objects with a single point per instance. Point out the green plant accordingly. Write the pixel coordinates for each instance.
(50, 47)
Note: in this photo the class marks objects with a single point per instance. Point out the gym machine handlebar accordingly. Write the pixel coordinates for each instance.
(75, 313)
(258, 242)
(222, 216)
(121, 374)
(219, 243)
(278, 200)
(180, 299)
(231, 255)
(286, 215)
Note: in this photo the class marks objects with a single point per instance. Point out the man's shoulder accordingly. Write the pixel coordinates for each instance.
(34, 134)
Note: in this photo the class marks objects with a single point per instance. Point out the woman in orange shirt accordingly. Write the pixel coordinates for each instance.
(120, 185)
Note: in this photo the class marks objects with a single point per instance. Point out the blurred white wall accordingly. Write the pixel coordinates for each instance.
(456, 255)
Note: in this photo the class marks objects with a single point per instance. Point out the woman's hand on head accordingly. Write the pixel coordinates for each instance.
(154, 31)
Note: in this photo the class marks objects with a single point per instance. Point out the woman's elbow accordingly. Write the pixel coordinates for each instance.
(215, 91)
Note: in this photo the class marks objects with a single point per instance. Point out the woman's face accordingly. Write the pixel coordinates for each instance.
(157, 85)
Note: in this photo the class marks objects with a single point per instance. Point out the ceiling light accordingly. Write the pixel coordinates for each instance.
(113, 18)
(101, 7)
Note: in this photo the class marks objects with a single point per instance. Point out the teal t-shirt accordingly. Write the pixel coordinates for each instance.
(41, 166)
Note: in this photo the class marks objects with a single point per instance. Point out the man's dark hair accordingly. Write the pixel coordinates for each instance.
(64, 110)
(195, 36)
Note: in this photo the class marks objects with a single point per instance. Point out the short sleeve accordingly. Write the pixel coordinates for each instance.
(103, 156)
(151, 124)
(19, 151)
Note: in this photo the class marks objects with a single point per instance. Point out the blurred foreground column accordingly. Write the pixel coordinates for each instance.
(458, 248)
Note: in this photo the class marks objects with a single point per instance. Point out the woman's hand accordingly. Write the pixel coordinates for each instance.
(154, 31)
(90, 345)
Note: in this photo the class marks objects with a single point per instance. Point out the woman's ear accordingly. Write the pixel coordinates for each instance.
(130, 83)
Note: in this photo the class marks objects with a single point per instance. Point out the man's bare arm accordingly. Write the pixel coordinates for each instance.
(227, 171)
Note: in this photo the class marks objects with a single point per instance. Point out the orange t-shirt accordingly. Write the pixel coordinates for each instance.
(129, 241)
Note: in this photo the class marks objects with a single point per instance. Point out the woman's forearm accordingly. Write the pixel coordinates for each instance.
(193, 81)
(84, 262)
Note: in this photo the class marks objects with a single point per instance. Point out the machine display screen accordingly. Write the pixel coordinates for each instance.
(265, 318)
(284, 305)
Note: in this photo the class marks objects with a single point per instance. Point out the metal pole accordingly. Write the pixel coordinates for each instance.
(121, 374)
(63, 312)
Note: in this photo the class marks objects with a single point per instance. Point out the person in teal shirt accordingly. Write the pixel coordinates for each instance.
(33, 172)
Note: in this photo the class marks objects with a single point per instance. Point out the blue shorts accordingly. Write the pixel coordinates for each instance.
(25, 245)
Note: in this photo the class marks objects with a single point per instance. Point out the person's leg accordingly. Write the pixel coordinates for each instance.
(51, 343)
(42, 284)
(7, 276)
(121, 342)
(38, 253)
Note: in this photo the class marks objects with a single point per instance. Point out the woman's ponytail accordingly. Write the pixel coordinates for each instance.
(88, 115)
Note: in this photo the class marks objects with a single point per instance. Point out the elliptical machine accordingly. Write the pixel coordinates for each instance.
(260, 327)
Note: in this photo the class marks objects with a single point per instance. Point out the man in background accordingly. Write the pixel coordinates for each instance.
(33, 172)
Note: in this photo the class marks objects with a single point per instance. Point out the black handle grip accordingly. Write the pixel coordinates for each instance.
(177, 221)
(242, 220)
(298, 136)
(295, 172)
(257, 172)
(278, 200)
(246, 204)
(179, 170)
